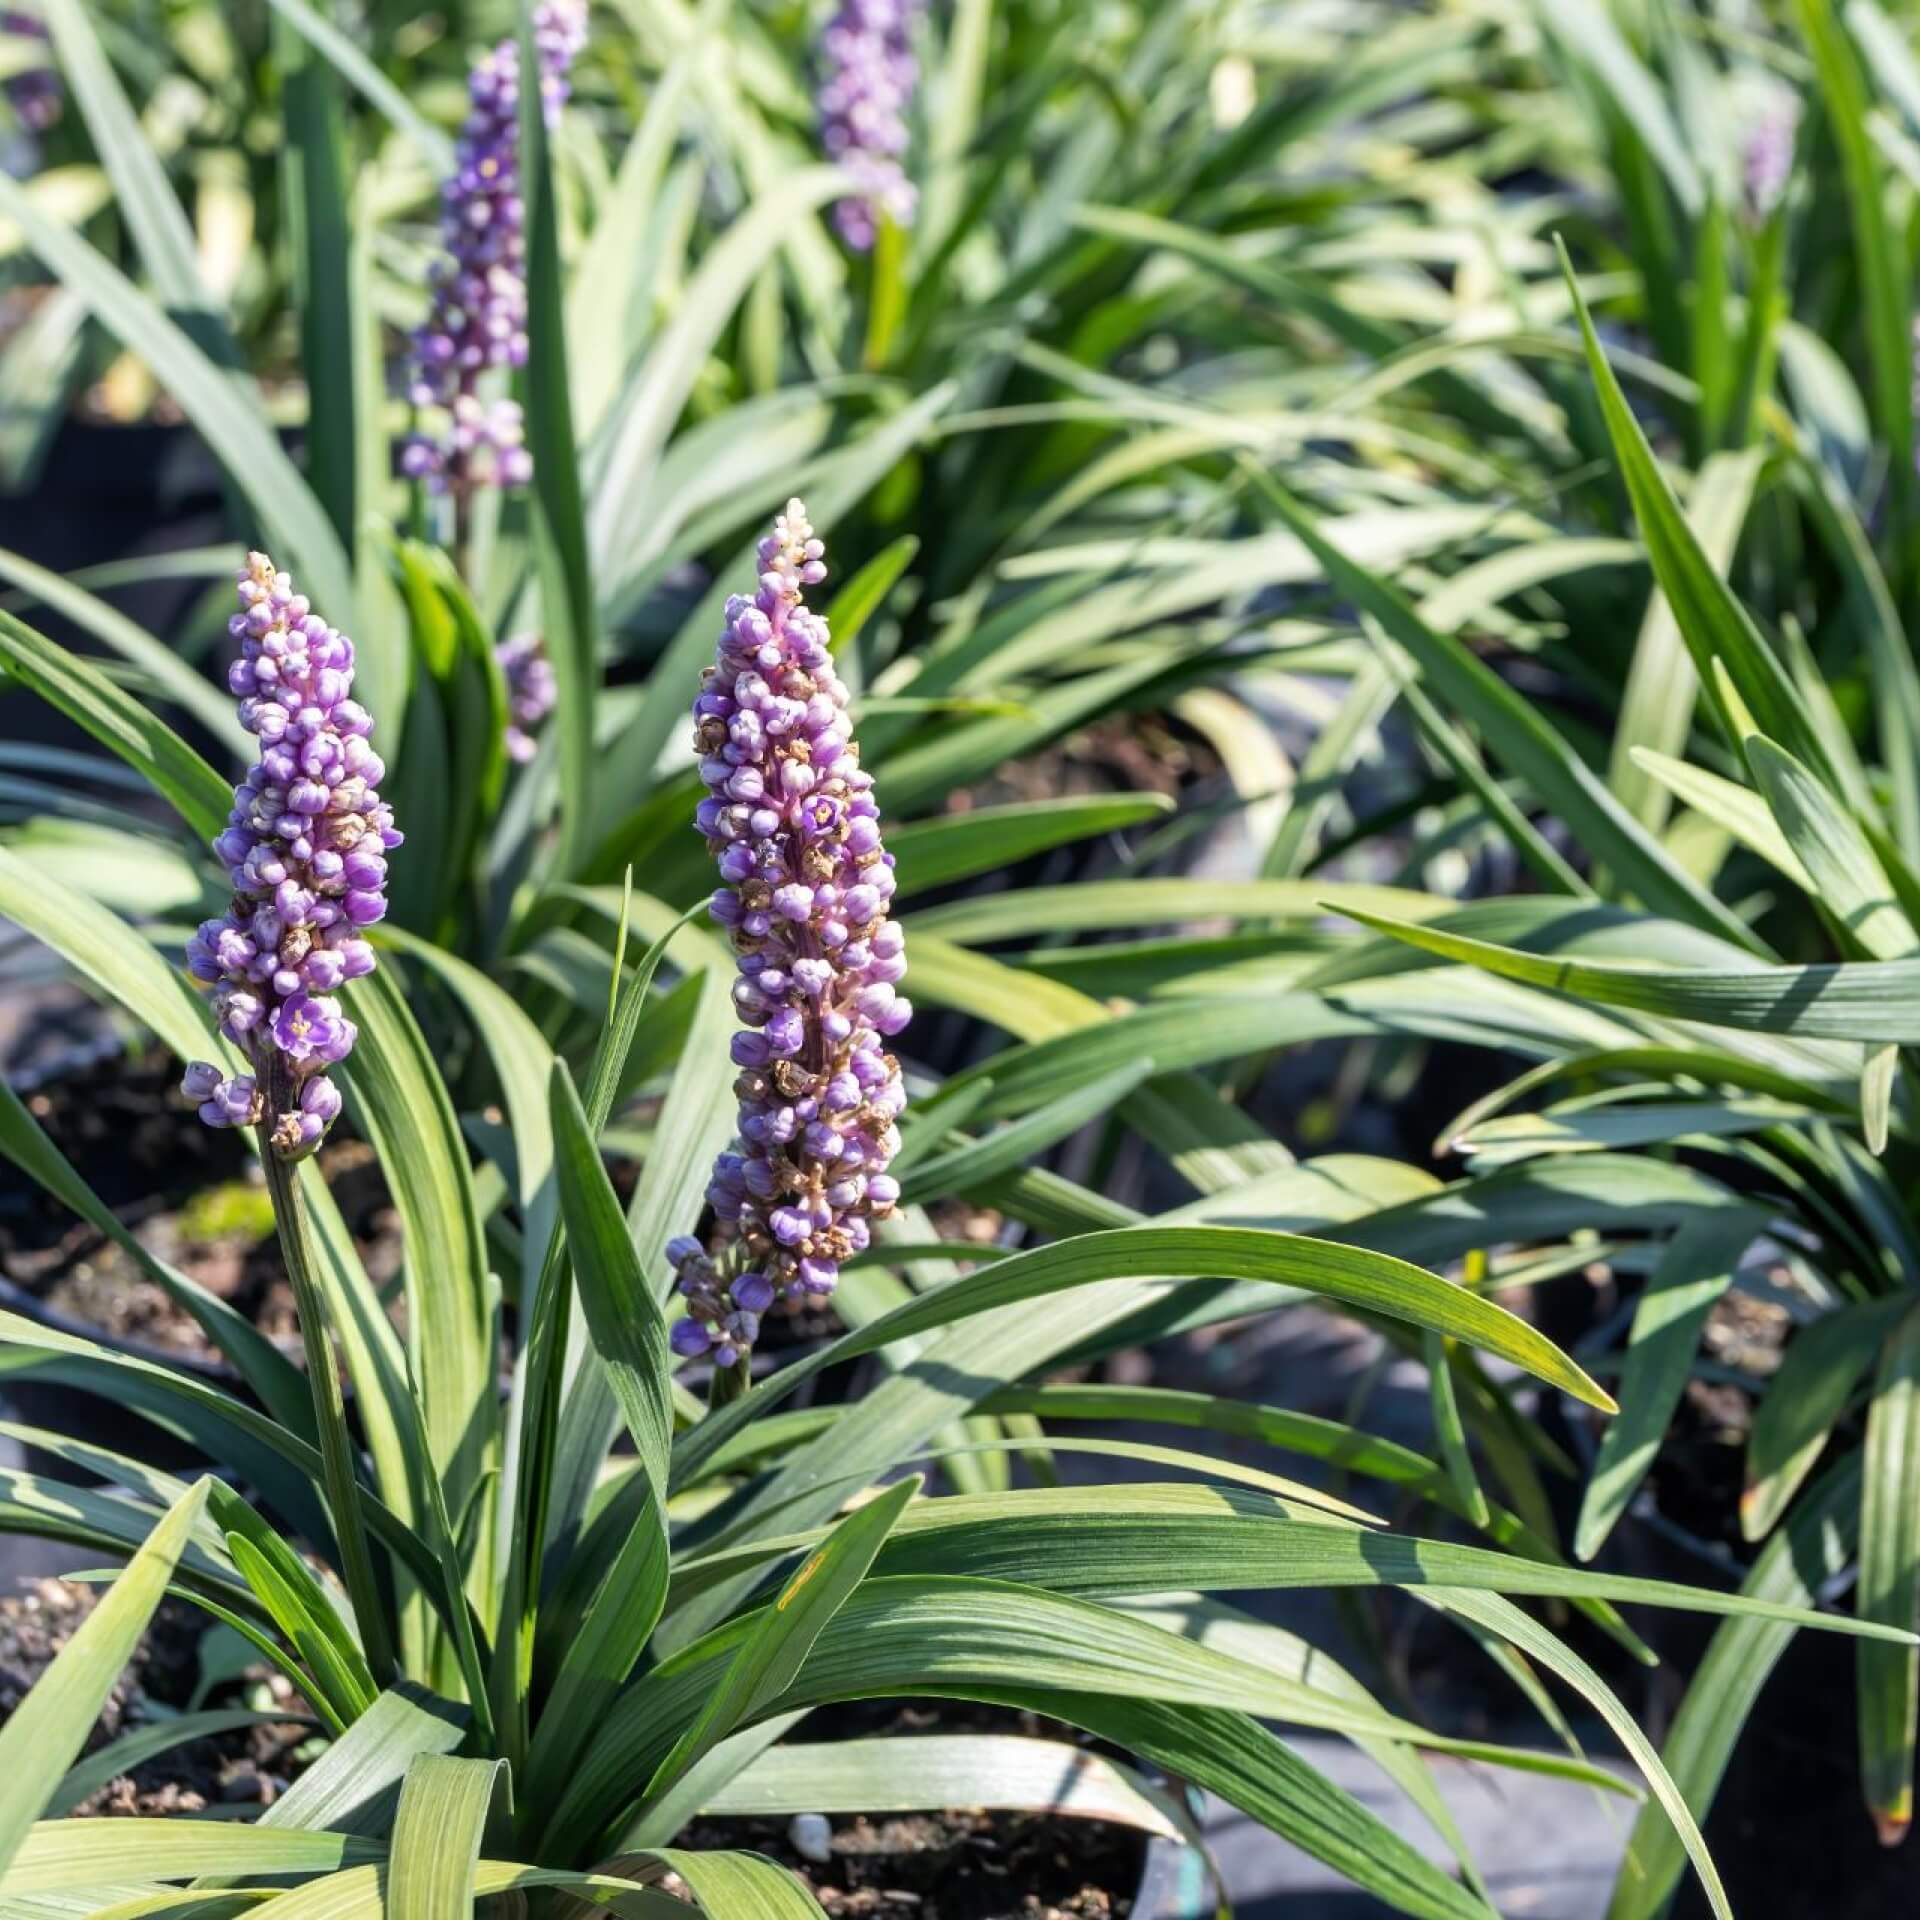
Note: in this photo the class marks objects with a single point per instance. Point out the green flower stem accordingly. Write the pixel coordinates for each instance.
(730, 1383)
(329, 1413)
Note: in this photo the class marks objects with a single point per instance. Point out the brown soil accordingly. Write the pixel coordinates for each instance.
(191, 1196)
(1127, 753)
(959, 1865)
(249, 1767)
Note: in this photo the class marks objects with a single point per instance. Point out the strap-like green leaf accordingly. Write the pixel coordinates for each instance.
(966, 1166)
(437, 1836)
(1846, 875)
(569, 609)
(1144, 1538)
(313, 177)
(106, 1853)
(360, 72)
(146, 1743)
(233, 423)
(352, 1785)
(1232, 1755)
(939, 1770)
(1517, 735)
(44, 1735)
(308, 1622)
(263, 1366)
(604, 1650)
(522, 1061)
(1531, 1638)
(1711, 619)
(228, 1428)
(1727, 804)
(1656, 709)
(1100, 906)
(1813, 1547)
(1791, 1425)
(1376, 1282)
(769, 1662)
(1876, 1001)
(155, 219)
(933, 853)
(628, 1328)
(401, 1100)
(119, 722)
(646, 414)
(741, 1886)
(967, 1638)
(171, 676)
(103, 948)
(1695, 1270)
(1879, 248)
(1889, 1676)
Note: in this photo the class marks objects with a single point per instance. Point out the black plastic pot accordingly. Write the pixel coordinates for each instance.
(116, 492)
(1174, 1883)
(39, 1400)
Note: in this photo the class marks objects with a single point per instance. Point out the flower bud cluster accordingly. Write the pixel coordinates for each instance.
(306, 849)
(479, 315)
(1766, 158)
(792, 820)
(868, 74)
(531, 691)
(37, 94)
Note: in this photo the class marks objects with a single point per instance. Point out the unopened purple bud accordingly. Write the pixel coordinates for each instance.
(479, 315)
(200, 1080)
(867, 81)
(689, 1338)
(791, 820)
(303, 847)
(754, 1291)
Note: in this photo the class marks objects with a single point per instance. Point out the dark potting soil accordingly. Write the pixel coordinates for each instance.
(957, 1865)
(1788, 1830)
(192, 1198)
(251, 1766)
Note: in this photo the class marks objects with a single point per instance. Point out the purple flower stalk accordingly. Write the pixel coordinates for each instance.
(1766, 160)
(306, 848)
(530, 690)
(867, 81)
(793, 822)
(479, 316)
(37, 95)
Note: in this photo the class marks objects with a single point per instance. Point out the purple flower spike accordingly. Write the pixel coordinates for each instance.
(793, 823)
(531, 691)
(306, 848)
(479, 316)
(37, 94)
(1766, 160)
(866, 87)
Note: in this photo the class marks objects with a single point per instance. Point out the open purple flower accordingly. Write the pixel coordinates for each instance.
(306, 849)
(531, 690)
(479, 316)
(792, 819)
(868, 74)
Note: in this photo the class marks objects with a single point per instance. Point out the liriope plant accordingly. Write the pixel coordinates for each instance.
(1711, 1002)
(558, 1650)
(1021, 411)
